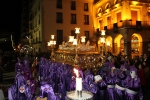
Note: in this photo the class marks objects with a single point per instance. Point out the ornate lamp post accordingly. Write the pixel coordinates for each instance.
(75, 42)
(52, 44)
(102, 40)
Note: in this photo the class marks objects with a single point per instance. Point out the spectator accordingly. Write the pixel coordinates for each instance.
(141, 74)
(147, 73)
(145, 59)
(137, 63)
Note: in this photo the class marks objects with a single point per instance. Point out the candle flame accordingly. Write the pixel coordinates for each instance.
(76, 72)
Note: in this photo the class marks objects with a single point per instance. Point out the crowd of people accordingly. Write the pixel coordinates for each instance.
(119, 78)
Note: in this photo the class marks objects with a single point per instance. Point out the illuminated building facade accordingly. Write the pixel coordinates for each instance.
(59, 18)
(127, 23)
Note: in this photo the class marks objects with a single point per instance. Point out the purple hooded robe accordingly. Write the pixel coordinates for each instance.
(110, 81)
(133, 89)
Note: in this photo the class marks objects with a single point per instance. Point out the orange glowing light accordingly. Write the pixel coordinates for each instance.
(134, 2)
(117, 5)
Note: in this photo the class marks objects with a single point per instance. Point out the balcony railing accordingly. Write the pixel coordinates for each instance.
(128, 23)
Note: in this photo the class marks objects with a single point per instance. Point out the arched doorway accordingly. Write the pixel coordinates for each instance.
(136, 45)
(109, 44)
(118, 44)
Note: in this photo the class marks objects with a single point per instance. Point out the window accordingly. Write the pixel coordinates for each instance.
(116, 1)
(59, 36)
(59, 17)
(86, 7)
(73, 19)
(87, 34)
(73, 33)
(134, 16)
(39, 19)
(101, 24)
(86, 19)
(59, 4)
(107, 6)
(39, 6)
(73, 5)
(109, 22)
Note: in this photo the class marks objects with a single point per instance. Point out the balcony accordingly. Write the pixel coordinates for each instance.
(127, 24)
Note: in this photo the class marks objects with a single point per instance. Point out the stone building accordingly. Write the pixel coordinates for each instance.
(59, 18)
(126, 23)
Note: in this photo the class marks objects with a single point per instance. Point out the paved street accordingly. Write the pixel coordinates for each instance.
(8, 77)
(8, 81)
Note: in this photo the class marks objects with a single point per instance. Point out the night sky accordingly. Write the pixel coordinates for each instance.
(10, 16)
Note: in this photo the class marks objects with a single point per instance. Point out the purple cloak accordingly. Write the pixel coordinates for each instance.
(119, 90)
(110, 81)
(12, 92)
(133, 91)
(101, 92)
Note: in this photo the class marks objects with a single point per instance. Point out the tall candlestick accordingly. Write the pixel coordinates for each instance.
(78, 83)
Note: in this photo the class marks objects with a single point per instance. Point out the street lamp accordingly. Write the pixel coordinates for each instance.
(102, 40)
(52, 44)
(108, 46)
(102, 47)
(75, 42)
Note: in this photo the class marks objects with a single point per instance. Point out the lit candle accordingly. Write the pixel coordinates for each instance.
(102, 39)
(49, 43)
(75, 42)
(52, 36)
(102, 32)
(71, 38)
(77, 30)
(83, 38)
(54, 42)
(78, 81)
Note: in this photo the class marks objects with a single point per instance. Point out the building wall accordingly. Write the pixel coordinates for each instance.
(49, 26)
(125, 15)
(36, 26)
(104, 13)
